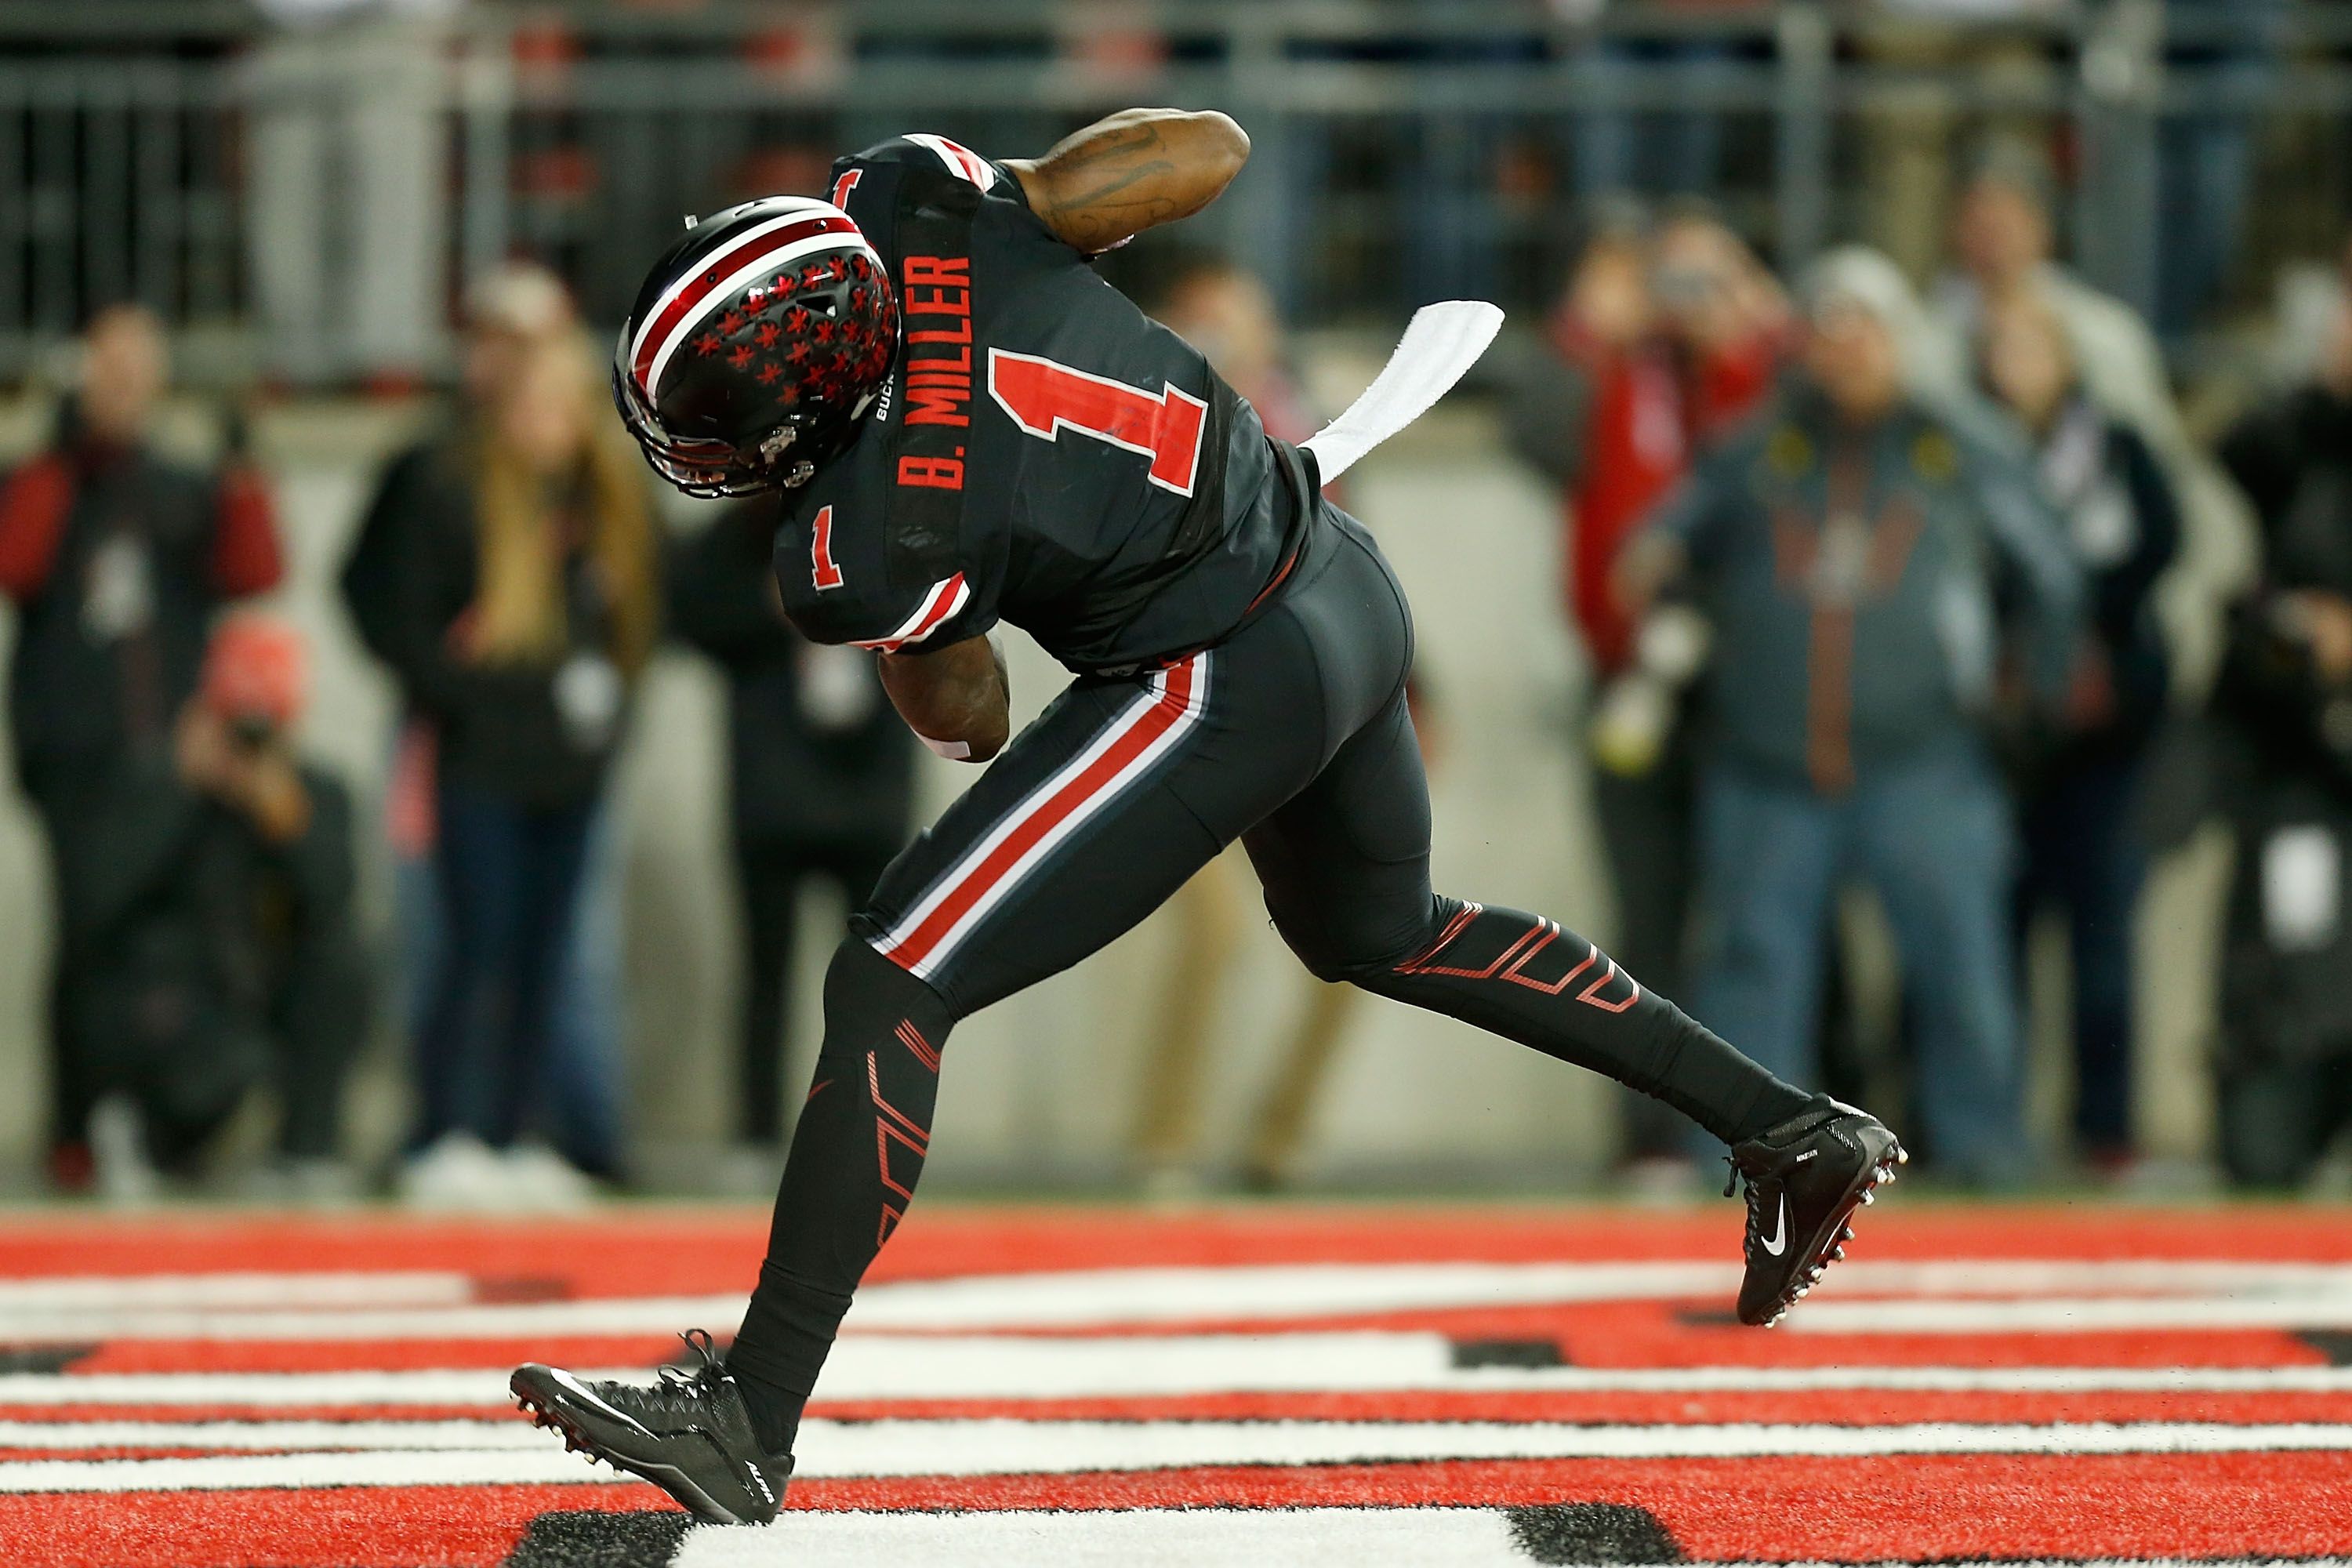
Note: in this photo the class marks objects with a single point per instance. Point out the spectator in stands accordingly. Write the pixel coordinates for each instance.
(2003, 242)
(2078, 797)
(346, 220)
(207, 893)
(1844, 548)
(1227, 311)
(512, 311)
(2231, 51)
(508, 312)
(1620, 152)
(1938, 50)
(1657, 349)
(117, 559)
(2285, 701)
(821, 771)
(515, 598)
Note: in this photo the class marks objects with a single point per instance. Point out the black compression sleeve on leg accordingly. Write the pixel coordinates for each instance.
(1526, 979)
(854, 1159)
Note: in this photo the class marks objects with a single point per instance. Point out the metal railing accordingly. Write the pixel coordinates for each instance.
(1403, 151)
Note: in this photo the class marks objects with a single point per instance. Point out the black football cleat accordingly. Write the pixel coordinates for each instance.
(689, 1433)
(1805, 1178)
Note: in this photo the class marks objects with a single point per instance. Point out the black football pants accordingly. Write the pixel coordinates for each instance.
(1293, 735)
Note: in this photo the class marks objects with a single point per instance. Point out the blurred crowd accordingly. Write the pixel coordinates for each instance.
(583, 129)
(1933, 594)
(512, 577)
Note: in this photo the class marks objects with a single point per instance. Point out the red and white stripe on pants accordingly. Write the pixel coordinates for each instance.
(1153, 724)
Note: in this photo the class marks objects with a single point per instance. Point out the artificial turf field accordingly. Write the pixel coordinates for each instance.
(1352, 1385)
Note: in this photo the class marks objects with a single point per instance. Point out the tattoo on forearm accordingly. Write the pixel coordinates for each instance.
(1101, 194)
(1113, 181)
(1101, 214)
(1096, 147)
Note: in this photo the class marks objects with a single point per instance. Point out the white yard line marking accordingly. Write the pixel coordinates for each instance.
(998, 1447)
(517, 1320)
(382, 1436)
(1173, 1295)
(1070, 1299)
(898, 1367)
(33, 1297)
(995, 1447)
(472, 1467)
(2075, 1315)
(262, 1389)
(1993, 1293)
(1244, 1538)
(1150, 1537)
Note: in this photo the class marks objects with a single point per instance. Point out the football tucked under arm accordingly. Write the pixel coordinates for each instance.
(1140, 168)
(956, 698)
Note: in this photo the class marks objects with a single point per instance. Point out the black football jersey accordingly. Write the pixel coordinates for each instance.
(1043, 454)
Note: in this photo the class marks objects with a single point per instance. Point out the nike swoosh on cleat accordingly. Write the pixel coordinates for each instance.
(1779, 1243)
(581, 1392)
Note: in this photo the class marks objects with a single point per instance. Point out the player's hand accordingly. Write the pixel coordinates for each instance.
(957, 699)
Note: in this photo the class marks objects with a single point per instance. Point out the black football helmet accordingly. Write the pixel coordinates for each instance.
(755, 346)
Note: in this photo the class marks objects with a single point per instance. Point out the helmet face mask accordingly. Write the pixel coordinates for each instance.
(707, 469)
(756, 347)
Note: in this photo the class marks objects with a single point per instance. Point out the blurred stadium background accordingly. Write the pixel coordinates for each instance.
(340, 214)
(302, 192)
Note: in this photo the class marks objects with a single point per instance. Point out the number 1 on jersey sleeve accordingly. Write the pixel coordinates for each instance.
(1046, 397)
(822, 569)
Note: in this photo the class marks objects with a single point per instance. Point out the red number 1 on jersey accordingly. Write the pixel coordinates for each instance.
(1045, 398)
(822, 571)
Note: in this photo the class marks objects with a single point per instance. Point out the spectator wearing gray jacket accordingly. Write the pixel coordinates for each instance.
(1849, 549)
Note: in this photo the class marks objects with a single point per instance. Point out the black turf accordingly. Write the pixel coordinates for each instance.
(1468, 1354)
(584, 1538)
(1593, 1532)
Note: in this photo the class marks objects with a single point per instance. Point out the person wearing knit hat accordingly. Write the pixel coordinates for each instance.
(1844, 548)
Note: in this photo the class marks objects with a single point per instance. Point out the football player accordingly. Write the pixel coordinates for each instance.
(965, 424)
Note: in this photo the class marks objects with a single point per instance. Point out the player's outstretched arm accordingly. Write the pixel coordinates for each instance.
(956, 698)
(1136, 170)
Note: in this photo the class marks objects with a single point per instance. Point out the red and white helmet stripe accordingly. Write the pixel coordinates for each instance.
(802, 224)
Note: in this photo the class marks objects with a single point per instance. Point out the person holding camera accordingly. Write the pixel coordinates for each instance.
(207, 893)
(2283, 706)
(117, 559)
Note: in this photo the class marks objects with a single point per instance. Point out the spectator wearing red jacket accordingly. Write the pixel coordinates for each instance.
(1662, 341)
(117, 560)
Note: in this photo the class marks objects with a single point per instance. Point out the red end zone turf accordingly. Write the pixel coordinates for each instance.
(1426, 1385)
